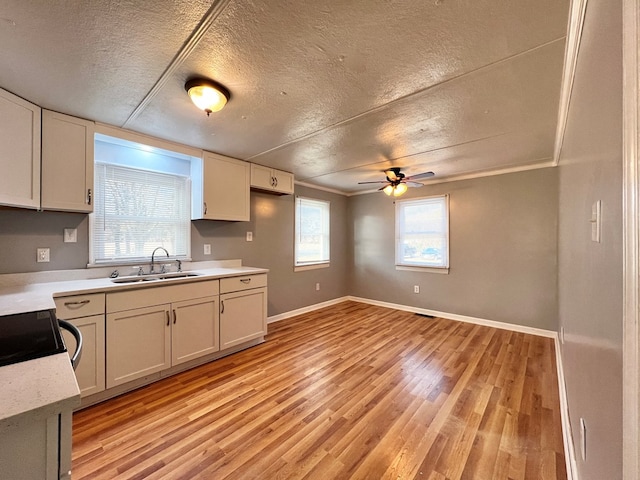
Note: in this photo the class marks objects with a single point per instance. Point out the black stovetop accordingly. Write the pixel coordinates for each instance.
(25, 336)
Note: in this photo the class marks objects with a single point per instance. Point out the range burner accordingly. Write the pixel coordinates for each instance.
(25, 336)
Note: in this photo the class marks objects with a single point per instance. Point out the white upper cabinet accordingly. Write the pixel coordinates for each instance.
(19, 152)
(67, 163)
(220, 188)
(271, 180)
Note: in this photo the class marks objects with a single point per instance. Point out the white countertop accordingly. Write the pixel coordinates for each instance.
(39, 296)
(41, 387)
(46, 385)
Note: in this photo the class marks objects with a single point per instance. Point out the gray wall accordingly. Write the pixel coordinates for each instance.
(503, 261)
(272, 224)
(22, 231)
(590, 274)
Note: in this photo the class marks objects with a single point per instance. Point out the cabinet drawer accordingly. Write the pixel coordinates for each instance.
(236, 284)
(79, 306)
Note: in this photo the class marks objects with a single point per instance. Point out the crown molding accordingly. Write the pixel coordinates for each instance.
(572, 47)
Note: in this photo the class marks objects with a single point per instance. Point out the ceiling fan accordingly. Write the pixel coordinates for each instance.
(397, 182)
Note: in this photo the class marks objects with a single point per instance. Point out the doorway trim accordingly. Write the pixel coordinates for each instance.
(631, 241)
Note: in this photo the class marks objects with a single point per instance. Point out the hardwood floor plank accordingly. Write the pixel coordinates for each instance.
(351, 391)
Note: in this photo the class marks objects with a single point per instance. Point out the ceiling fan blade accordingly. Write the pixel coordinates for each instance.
(420, 175)
(414, 184)
(379, 181)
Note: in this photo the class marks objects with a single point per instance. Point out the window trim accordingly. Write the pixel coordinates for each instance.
(118, 137)
(397, 238)
(298, 267)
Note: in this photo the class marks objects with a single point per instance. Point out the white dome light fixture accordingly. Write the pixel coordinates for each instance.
(207, 95)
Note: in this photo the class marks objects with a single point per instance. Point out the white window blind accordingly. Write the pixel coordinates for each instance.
(136, 211)
(312, 231)
(422, 232)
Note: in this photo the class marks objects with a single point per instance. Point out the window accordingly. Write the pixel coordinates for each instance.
(312, 232)
(142, 201)
(422, 232)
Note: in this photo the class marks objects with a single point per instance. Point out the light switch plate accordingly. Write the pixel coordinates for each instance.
(583, 439)
(207, 249)
(249, 236)
(70, 235)
(596, 221)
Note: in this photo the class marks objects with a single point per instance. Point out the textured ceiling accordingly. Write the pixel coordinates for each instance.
(334, 91)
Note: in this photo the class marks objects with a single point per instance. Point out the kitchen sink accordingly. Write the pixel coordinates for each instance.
(150, 278)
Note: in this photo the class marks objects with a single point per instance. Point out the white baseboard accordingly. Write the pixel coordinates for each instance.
(310, 308)
(461, 318)
(567, 437)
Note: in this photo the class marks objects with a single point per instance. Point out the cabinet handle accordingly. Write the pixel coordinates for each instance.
(175, 316)
(81, 302)
(168, 318)
(205, 208)
(89, 196)
(273, 181)
(245, 280)
(222, 305)
(276, 180)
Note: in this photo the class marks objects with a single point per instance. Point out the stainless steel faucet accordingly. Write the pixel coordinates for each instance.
(153, 255)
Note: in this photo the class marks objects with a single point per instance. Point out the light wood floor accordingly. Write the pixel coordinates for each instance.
(349, 391)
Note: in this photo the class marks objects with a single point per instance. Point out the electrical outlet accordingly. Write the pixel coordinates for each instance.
(249, 236)
(207, 249)
(42, 255)
(317, 287)
(416, 289)
(583, 439)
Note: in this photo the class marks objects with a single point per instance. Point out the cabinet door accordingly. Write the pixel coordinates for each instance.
(225, 188)
(138, 343)
(195, 329)
(261, 177)
(19, 152)
(30, 448)
(243, 316)
(67, 163)
(90, 370)
(283, 182)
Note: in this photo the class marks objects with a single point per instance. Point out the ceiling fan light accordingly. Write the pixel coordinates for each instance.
(388, 189)
(399, 189)
(207, 95)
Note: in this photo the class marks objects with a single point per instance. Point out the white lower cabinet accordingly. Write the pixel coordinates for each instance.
(243, 309)
(146, 336)
(87, 313)
(194, 334)
(138, 343)
(37, 448)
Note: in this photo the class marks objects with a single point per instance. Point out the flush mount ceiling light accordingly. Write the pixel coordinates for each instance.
(207, 95)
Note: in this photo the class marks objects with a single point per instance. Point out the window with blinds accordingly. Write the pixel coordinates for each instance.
(312, 232)
(422, 232)
(142, 201)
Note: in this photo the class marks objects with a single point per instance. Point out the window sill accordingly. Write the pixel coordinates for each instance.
(135, 263)
(315, 266)
(440, 270)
